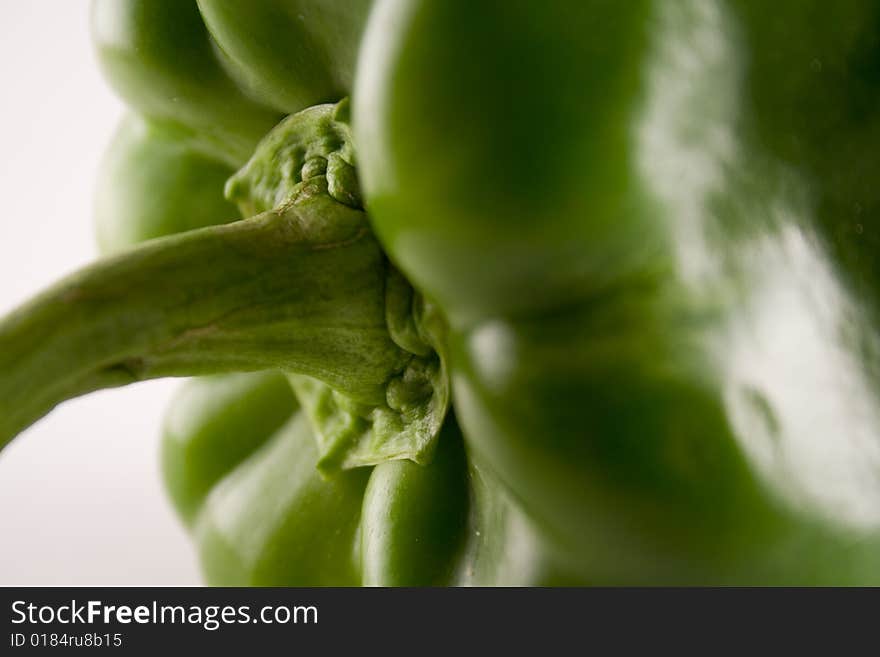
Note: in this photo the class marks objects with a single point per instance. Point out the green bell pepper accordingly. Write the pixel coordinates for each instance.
(535, 308)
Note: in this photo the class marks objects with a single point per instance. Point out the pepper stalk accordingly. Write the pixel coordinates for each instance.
(303, 286)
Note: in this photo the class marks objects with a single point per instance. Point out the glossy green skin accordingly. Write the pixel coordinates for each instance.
(655, 247)
(290, 54)
(498, 147)
(213, 424)
(822, 118)
(158, 56)
(154, 183)
(415, 517)
(507, 547)
(239, 462)
(274, 520)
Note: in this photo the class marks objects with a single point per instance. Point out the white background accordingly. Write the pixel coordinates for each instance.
(81, 500)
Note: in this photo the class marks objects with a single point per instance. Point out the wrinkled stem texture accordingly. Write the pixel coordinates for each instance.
(256, 294)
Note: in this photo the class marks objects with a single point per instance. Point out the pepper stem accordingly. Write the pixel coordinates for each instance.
(265, 292)
(303, 287)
